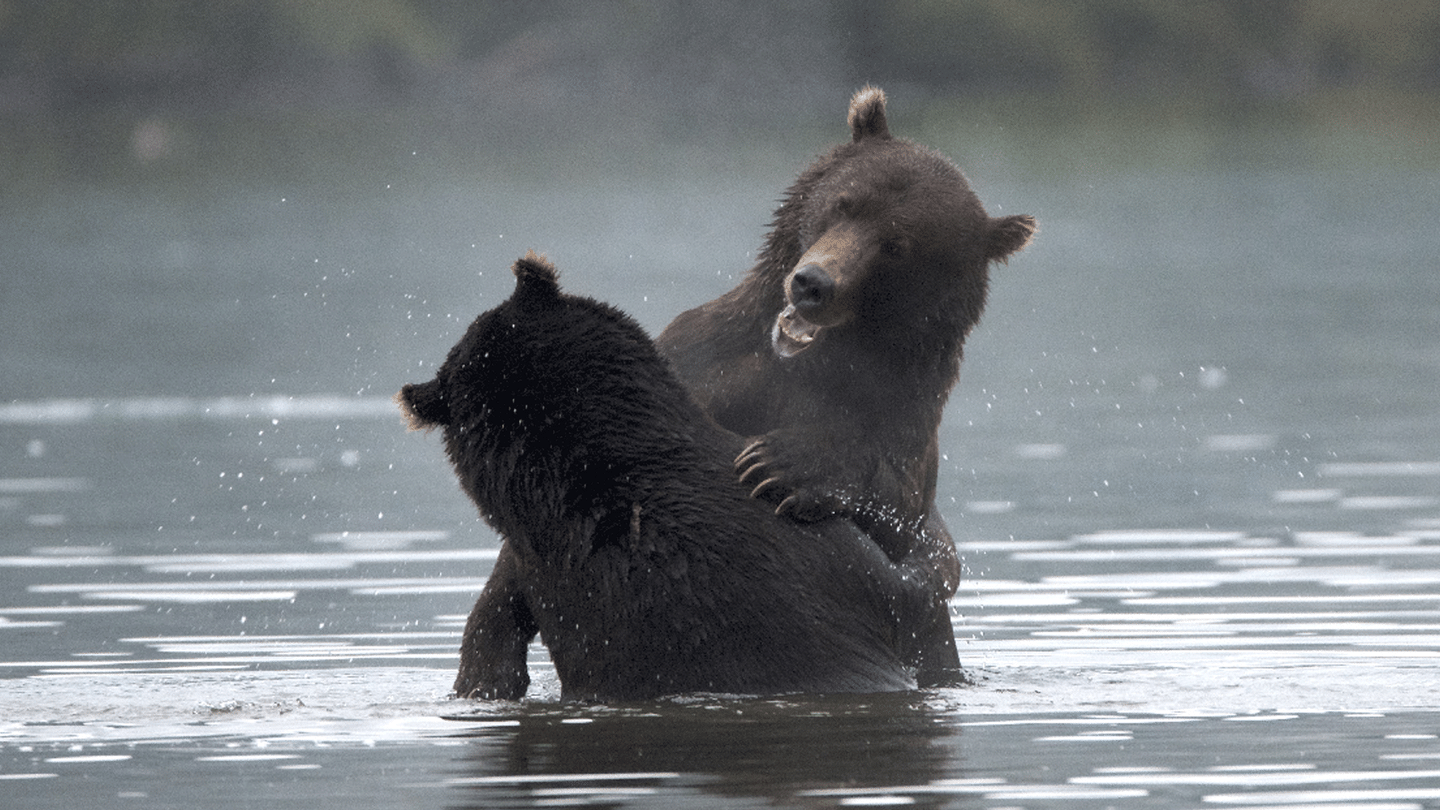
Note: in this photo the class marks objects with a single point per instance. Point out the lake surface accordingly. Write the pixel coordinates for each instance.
(1193, 464)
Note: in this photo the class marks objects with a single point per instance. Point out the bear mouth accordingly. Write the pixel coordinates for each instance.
(792, 334)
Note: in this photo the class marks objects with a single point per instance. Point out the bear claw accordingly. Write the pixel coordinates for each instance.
(765, 486)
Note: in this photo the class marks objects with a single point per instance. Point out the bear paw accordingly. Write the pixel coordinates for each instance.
(492, 683)
(762, 466)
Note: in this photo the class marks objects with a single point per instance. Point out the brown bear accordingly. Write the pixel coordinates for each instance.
(836, 354)
(631, 546)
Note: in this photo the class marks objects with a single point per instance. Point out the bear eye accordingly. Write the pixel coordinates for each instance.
(894, 247)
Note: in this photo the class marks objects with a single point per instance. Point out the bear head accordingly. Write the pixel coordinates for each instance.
(484, 374)
(546, 402)
(883, 231)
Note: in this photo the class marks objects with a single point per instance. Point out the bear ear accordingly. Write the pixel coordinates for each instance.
(424, 405)
(1006, 235)
(536, 279)
(867, 114)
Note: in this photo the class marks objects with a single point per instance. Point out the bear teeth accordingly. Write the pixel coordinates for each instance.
(792, 334)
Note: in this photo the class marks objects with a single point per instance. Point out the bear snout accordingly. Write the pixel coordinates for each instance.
(824, 285)
(811, 288)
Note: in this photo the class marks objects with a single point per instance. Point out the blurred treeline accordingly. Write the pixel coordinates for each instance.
(95, 87)
(279, 52)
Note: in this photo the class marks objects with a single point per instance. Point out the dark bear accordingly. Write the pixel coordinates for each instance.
(836, 354)
(630, 545)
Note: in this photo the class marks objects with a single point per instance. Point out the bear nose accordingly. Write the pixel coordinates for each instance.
(811, 288)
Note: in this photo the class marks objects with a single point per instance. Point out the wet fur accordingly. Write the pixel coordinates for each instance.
(629, 545)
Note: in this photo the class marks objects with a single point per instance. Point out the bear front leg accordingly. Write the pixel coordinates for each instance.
(497, 637)
(932, 652)
(933, 655)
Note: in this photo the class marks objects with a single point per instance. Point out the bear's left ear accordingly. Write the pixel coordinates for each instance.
(424, 405)
(536, 279)
(1005, 236)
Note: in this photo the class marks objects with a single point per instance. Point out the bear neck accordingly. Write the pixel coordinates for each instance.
(922, 363)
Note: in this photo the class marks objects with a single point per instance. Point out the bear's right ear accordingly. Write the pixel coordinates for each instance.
(536, 279)
(1006, 235)
(867, 114)
(424, 405)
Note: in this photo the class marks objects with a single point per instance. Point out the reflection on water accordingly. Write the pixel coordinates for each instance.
(801, 752)
(1192, 463)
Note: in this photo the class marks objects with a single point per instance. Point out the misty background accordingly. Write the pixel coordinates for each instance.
(85, 85)
(314, 196)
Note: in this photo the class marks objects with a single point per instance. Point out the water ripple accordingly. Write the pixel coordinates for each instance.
(276, 406)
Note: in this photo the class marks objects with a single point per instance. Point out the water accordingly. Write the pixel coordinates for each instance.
(1193, 463)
